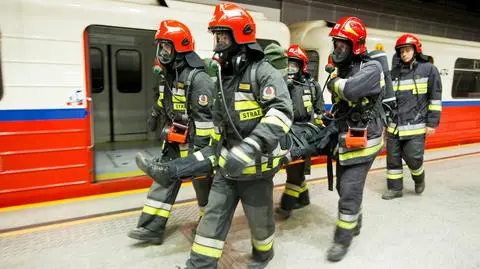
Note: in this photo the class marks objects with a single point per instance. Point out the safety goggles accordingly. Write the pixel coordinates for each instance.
(165, 51)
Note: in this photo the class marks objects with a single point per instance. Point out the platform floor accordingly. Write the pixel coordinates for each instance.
(438, 229)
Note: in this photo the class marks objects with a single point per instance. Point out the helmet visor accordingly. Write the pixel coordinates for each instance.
(341, 50)
(222, 40)
(165, 51)
(293, 67)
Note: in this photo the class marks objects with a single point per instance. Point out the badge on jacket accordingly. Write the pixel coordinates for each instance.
(268, 93)
(202, 100)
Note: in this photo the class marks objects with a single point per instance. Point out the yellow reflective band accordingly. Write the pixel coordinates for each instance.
(251, 114)
(180, 85)
(412, 132)
(204, 132)
(422, 88)
(346, 225)
(244, 86)
(395, 176)
(318, 122)
(221, 161)
(435, 107)
(307, 104)
(337, 90)
(161, 95)
(159, 102)
(183, 153)
(179, 98)
(392, 130)
(253, 169)
(417, 172)
(292, 193)
(178, 106)
(206, 251)
(259, 247)
(244, 105)
(156, 211)
(216, 136)
(309, 108)
(276, 121)
(303, 188)
(382, 83)
(201, 213)
(360, 153)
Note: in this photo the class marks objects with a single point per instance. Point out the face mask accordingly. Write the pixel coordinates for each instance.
(342, 51)
(222, 40)
(165, 52)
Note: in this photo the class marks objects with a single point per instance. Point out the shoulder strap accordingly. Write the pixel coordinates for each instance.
(253, 78)
(191, 76)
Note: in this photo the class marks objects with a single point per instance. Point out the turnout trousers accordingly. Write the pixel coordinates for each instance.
(350, 185)
(296, 190)
(411, 150)
(160, 200)
(257, 201)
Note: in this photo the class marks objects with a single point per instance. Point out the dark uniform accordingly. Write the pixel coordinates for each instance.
(186, 99)
(308, 107)
(356, 97)
(257, 100)
(418, 90)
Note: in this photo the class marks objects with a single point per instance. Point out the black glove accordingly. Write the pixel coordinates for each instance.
(152, 121)
(238, 157)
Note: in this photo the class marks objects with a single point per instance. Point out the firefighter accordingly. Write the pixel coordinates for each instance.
(185, 104)
(253, 110)
(357, 102)
(308, 106)
(418, 91)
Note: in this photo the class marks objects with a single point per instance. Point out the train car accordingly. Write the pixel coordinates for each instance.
(457, 61)
(77, 88)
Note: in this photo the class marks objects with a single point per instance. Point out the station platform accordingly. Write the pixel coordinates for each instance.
(438, 229)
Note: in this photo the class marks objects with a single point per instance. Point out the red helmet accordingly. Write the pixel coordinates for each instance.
(235, 18)
(353, 29)
(409, 39)
(178, 33)
(296, 52)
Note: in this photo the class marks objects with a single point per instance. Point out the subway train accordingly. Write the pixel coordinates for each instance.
(78, 86)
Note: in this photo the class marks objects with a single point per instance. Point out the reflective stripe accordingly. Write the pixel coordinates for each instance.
(179, 99)
(307, 98)
(370, 143)
(292, 193)
(347, 217)
(280, 115)
(250, 170)
(293, 187)
(411, 127)
(183, 150)
(408, 130)
(346, 225)
(360, 153)
(394, 173)
(318, 121)
(183, 153)
(276, 121)
(207, 251)
(378, 55)
(154, 211)
(204, 124)
(209, 242)
(179, 106)
(244, 86)
(158, 204)
(252, 142)
(389, 99)
(244, 96)
(178, 92)
(418, 171)
(203, 132)
(199, 156)
(263, 245)
(250, 114)
(244, 105)
(241, 154)
(307, 104)
(435, 107)
(436, 102)
(201, 211)
(339, 86)
(410, 81)
(303, 188)
(159, 102)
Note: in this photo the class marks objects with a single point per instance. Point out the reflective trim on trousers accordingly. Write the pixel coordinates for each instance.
(263, 245)
(207, 246)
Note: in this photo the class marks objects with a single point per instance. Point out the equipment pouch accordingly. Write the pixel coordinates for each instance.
(356, 138)
(177, 133)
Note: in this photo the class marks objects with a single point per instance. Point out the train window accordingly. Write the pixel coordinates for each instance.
(265, 42)
(96, 70)
(466, 78)
(129, 71)
(313, 63)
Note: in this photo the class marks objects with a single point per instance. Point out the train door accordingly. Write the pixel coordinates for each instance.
(120, 62)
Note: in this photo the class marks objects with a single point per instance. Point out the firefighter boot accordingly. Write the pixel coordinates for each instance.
(144, 234)
(420, 187)
(157, 171)
(336, 252)
(260, 260)
(392, 194)
(287, 203)
(303, 200)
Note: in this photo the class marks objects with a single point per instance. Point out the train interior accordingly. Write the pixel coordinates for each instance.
(120, 62)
